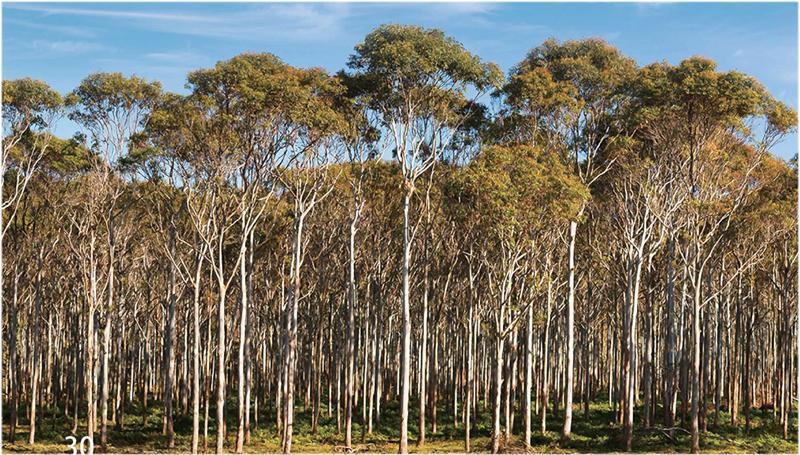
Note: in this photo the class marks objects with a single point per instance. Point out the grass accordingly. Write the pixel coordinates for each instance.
(597, 433)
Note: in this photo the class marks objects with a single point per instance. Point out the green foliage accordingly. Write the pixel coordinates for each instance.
(516, 190)
(706, 99)
(66, 157)
(28, 103)
(246, 113)
(418, 81)
(402, 59)
(569, 97)
(250, 86)
(113, 108)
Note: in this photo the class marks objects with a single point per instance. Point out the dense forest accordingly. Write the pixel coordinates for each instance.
(416, 246)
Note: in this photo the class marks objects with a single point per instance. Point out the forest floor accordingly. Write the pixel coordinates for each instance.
(596, 434)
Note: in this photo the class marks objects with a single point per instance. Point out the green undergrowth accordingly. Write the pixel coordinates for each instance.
(596, 433)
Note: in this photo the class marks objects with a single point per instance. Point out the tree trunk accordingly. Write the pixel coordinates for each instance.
(351, 304)
(220, 359)
(196, 357)
(423, 358)
(36, 354)
(242, 342)
(294, 303)
(406, 329)
(670, 392)
(695, 427)
(470, 374)
(567, 429)
(498, 388)
(528, 374)
(168, 364)
(546, 358)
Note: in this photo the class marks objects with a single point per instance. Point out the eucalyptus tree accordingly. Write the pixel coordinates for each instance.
(167, 162)
(638, 192)
(418, 82)
(568, 97)
(245, 120)
(360, 140)
(310, 132)
(725, 122)
(762, 236)
(156, 162)
(38, 230)
(513, 191)
(112, 109)
(655, 127)
(199, 130)
(30, 110)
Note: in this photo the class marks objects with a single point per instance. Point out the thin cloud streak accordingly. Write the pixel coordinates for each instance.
(81, 32)
(298, 21)
(68, 47)
(109, 13)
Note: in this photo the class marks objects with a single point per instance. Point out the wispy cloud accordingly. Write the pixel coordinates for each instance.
(49, 10)
(296, 21)
(68, 47)
(82, 32)
(467, 8)
(647, 8)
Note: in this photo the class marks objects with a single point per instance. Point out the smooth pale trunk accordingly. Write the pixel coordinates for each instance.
(423, 358)
(292, 338)
(220, 358)
(718, 362)
(405, 361)
(196, 359)
(509, 383)
(470, 374)
(546, 359)
(498, 388)
(435, 385)
(36, 376)
(207, 379)
(330, 358)
(169, 343)
(12, 347)
(528, 374)
(14, 363)
(350, 379)
(145, 372)
(104, 394)
(248, 347)
(648, 360)
(365, 370)
(567, 429)
(242, 345)
(90, 346)
(630, 339)
(695, 428)
(670, 392)
(373, 365)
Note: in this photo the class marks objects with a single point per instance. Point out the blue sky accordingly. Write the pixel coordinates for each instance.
(61, 43)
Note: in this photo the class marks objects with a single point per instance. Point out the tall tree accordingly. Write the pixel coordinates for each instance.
(30, 111)
(567, 97)
(112, 109)
(418, 81)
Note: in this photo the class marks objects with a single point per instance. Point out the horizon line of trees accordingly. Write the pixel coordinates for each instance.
(417, 228)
